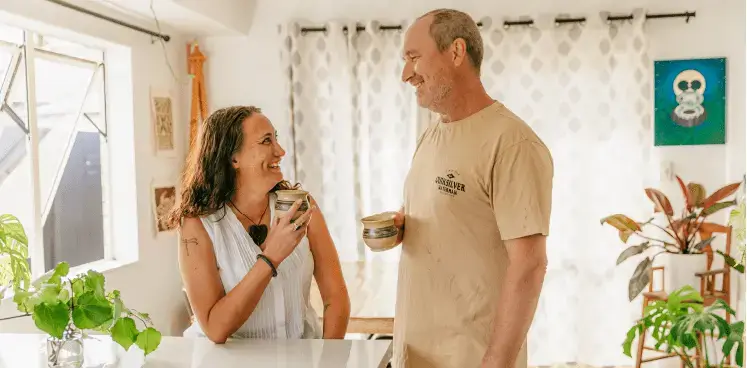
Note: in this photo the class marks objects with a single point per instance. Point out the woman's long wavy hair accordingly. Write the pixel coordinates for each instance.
(209, 178)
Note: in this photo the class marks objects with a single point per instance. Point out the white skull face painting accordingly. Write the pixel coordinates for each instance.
(689, 87)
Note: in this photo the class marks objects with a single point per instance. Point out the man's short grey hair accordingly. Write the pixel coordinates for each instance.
(450, 24)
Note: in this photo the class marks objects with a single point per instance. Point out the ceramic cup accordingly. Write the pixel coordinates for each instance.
(379, 232)
(285, 200)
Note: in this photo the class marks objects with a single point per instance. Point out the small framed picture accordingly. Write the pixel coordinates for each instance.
(164, 200)
(162, 118)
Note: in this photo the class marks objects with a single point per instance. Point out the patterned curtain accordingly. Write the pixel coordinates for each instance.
(586, 90)
(353, 125)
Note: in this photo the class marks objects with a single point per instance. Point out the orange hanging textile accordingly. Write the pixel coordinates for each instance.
(198, 111)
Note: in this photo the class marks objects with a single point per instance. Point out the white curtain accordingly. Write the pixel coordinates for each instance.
(353, 125)
(585, 89)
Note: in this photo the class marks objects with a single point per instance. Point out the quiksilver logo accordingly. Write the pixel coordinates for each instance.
(449, 184)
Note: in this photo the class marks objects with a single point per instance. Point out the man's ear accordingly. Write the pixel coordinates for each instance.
(459, 51)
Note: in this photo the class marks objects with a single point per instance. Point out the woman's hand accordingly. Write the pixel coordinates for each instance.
(285, 235)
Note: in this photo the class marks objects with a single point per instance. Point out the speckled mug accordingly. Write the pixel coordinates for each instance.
(379, 232)
(285, 200)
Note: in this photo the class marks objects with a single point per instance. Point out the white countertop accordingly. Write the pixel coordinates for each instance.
(29, 351)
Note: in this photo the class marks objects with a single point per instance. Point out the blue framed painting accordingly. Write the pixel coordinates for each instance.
(690, 102)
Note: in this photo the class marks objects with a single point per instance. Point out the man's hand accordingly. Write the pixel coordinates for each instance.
(399, 222)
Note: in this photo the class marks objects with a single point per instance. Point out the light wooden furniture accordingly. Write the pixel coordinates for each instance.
(28, 351)
(372, 287)
(709, 279)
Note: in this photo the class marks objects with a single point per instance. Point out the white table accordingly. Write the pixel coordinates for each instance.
(29, 351)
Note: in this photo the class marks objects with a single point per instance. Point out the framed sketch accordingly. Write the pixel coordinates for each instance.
(690, 102)
(164, 199)
(163, 123)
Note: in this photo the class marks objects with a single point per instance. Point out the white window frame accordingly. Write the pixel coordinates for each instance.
(35, 231)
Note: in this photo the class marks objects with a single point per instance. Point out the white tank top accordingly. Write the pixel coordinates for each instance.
(284, 311)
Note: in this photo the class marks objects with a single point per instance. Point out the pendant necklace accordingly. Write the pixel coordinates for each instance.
(258, 232)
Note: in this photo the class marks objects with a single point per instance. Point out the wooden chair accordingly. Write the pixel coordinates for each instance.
(188, 305)
(708, 289)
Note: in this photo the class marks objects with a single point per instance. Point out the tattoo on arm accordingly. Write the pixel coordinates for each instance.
(187, 242)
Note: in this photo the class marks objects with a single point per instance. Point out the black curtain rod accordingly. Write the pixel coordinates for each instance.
(110, 19)
(687, 15)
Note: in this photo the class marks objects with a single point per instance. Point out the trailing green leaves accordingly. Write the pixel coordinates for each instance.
(124, 332)
(51, 318)
(91, 311)
(59, 303)
(148, 340)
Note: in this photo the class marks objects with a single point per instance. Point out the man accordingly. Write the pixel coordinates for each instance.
(475, 215)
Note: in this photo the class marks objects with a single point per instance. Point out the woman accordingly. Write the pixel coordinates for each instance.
(247, 273)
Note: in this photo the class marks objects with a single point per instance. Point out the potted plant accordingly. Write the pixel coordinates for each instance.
(686, 327)
(682, 240)
(66, 307)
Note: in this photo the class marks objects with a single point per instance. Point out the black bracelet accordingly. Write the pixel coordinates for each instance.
(269, 263)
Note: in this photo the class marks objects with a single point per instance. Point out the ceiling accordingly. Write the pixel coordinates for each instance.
(189, 17)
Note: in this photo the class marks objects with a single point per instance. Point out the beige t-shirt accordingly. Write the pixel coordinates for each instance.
(473, 184)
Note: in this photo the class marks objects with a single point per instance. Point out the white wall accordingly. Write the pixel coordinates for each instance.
(151, 284)
(245, 70)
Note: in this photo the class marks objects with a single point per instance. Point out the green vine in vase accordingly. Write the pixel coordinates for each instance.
(57, 302)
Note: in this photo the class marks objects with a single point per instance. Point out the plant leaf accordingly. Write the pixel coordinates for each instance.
(94, 283)
(61, 269)
(52, 318)
(731, 261)
(686, 193)
(12, 228)
(734, 338)
(148, 340)
(720, 194)
(621, 222)
(78, 286)
(124, 332)
(697, 193)
(631, 251)
(641, 277)
(628, 343)
(661, 202)
(49, 293)
(699, 246)
(718, 207)
(91, 311)
(64, 296)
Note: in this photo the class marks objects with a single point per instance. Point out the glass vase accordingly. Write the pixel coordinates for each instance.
(66, 352)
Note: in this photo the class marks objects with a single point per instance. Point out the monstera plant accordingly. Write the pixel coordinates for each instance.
(683, 325)
(686, 232)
